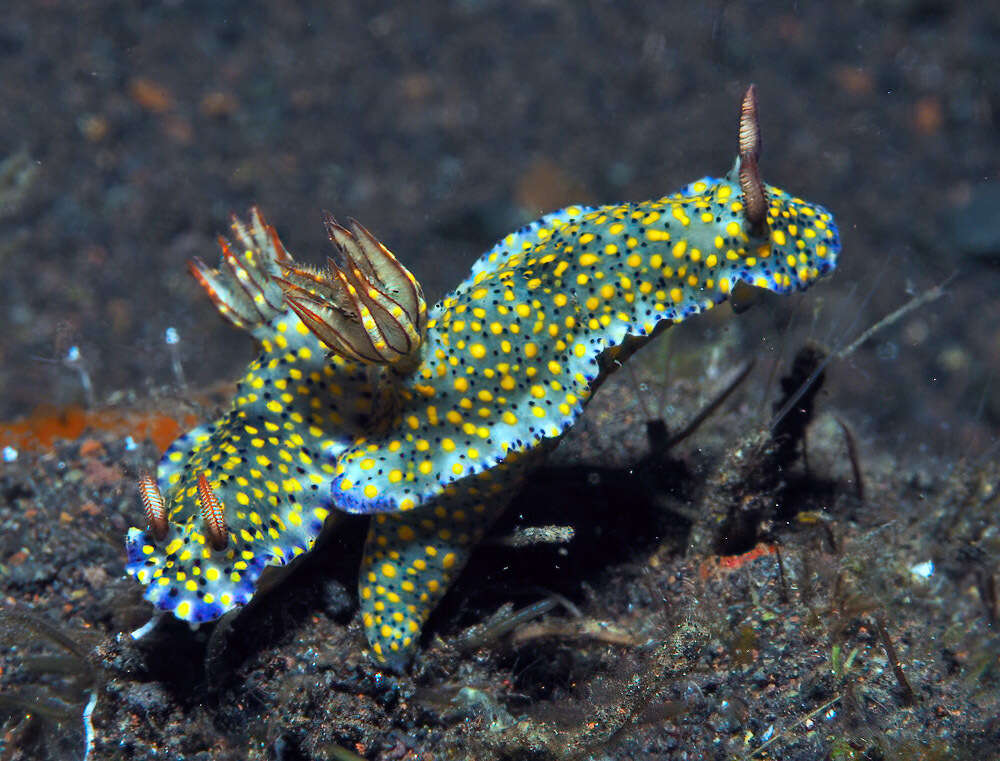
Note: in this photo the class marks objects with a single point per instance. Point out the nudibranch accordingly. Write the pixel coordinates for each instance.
(363, 400)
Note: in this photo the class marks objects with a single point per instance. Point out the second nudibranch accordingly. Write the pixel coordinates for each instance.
(363, 400)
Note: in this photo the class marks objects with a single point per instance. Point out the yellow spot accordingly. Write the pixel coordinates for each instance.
(477, 350)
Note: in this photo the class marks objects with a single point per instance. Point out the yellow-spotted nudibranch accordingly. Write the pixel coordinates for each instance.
(363, 400)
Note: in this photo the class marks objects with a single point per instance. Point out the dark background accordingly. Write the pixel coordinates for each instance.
(132, 130)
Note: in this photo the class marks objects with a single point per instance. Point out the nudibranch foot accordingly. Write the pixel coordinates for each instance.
(411, 559)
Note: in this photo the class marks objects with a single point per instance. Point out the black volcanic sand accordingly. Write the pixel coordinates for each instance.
(726, 596)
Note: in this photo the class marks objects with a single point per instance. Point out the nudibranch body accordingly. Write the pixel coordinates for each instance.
(363, 400)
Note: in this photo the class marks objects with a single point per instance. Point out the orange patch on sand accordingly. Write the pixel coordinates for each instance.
(39, 431)
(735, 562)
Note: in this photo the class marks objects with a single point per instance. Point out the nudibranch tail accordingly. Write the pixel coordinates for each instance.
(243, 287)
(368, 307)
(152, 506)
